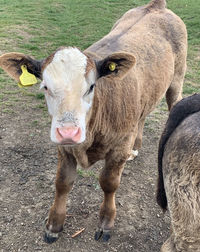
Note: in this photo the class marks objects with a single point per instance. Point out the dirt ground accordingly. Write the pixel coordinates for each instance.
(28, 168)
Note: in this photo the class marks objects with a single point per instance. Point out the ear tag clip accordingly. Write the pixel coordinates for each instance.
(26, 78)
(112, 66)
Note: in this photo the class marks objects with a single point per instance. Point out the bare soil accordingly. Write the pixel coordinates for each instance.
(28, 168)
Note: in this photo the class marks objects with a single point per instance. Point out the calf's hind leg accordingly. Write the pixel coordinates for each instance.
(174, 92)
(137, 141)
(109, 180)
(66, 174)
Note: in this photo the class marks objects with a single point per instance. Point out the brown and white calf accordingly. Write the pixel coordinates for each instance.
(179, 175)
(99, 98)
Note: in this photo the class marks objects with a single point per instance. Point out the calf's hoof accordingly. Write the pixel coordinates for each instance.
(103, 235)
(49, 236)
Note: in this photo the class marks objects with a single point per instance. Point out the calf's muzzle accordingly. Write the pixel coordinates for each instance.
(68, 135)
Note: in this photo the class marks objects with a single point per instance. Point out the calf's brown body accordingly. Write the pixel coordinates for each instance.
(155, 39)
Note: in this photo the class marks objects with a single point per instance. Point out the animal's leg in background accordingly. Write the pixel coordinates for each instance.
(174, 92)
(66, 174)
(109, 180)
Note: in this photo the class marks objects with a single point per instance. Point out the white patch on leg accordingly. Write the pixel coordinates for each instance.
(134, 154)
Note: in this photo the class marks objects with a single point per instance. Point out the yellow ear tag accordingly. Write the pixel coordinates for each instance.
(112, 66)
(26, 78)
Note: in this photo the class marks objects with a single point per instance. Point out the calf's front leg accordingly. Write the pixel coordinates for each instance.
(66, 174)
(109, 180)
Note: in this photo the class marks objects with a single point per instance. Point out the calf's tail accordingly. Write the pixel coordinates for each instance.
(179, 112)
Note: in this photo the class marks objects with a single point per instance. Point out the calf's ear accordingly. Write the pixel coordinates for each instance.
(116, 65)
(12, 62)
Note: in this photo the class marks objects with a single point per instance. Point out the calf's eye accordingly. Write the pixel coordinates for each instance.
(90, 89)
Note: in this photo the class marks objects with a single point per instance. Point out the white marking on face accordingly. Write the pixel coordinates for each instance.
(67, 90)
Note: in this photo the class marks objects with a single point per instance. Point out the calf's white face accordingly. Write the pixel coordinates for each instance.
(68, 87)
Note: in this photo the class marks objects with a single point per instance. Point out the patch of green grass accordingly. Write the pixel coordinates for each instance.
(87, 173)
(189, 11)
(7, 104)
(15, 99)
(32, 93)
(41, 106)
(35, 123)
(10, 92)
(190, 89)
(46, 25)
(8, 111)
(27, 93)
(76, 22)
(39, 96)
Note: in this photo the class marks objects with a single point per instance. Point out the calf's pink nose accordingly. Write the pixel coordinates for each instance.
(68, 132)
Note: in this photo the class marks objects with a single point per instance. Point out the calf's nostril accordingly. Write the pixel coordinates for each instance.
(68, 132)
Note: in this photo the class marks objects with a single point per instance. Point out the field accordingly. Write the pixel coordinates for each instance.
(28, 158)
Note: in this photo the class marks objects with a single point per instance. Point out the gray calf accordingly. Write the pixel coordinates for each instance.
(179, 175)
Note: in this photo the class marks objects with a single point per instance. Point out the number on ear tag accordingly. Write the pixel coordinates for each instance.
(26, 78)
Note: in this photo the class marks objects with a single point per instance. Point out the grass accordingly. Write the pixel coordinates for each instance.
(37, 28)
(87, 173)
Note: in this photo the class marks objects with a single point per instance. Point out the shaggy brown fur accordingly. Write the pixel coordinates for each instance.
(180, 168)
(149, 46)
(184, 108)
